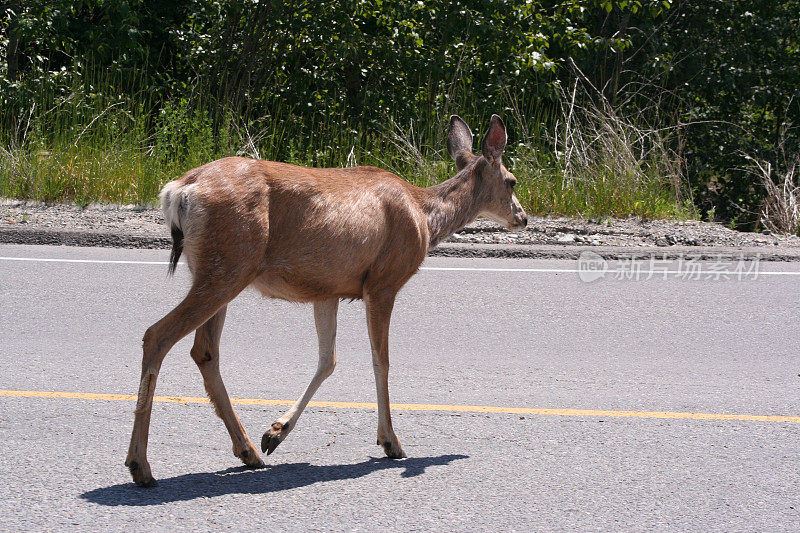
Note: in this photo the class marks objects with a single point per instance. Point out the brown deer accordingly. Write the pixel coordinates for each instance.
(309, 235)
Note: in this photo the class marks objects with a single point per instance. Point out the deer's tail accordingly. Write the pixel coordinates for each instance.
(179, 204)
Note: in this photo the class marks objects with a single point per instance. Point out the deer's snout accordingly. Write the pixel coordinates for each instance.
(519, 218)
(520, 223)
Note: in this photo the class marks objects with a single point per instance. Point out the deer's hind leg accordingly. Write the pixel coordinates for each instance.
(206, 296)
(205, 353)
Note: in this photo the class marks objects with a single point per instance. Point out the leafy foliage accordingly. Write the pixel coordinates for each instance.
(311, 81)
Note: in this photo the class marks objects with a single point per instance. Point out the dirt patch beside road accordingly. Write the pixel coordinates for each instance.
(143, 227)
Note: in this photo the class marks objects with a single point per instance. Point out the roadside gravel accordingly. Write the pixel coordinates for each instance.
(142, 227)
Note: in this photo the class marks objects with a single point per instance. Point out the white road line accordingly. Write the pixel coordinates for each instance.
(486, 269)
(640, 273)
(111, 262)
(653, 273)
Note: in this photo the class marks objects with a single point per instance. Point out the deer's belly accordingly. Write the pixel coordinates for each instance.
(306, 288)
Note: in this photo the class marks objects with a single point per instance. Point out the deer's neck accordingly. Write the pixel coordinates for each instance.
(451, 205)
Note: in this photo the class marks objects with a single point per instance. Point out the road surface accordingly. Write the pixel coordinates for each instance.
(534, 400)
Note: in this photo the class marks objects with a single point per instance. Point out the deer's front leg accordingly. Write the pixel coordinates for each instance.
(379, 311)
(325, 320)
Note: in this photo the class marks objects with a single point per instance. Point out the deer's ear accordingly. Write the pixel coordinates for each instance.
(459, 140)
(494, 142)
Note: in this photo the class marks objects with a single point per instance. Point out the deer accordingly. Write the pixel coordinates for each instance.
(311, 235)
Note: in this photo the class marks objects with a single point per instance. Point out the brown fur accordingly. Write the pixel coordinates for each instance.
(310, 235)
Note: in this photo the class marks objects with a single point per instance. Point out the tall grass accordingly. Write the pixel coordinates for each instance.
(593, 160)
(575, 158)
(780, 211)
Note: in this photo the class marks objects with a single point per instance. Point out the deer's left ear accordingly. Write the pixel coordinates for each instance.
(459, 142)
(494, 142)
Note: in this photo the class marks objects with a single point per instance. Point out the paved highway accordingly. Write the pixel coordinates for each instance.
(617, 404)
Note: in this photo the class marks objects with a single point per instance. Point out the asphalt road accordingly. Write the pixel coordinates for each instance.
(503, 333)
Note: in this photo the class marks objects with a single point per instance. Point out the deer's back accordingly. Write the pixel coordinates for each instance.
(305, 233)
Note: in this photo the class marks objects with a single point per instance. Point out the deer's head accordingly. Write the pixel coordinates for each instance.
(494, 183)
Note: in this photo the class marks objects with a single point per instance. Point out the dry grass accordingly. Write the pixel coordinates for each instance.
(600, 161)
(780, 212)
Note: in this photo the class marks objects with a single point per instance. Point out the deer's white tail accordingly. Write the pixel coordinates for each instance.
(181, 209)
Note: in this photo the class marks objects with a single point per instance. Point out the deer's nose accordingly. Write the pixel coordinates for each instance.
(525, 221)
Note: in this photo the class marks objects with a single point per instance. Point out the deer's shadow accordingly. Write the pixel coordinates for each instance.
(242, 480)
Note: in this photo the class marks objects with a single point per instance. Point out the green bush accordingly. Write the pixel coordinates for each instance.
(146, 90)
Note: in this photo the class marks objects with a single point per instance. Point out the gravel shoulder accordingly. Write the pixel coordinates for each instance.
(545, 237)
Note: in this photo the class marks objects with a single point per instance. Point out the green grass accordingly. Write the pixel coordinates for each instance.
(112, 147)
(551, 195)
(598, 192)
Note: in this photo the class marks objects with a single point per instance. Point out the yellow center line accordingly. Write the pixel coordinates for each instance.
(414, 407)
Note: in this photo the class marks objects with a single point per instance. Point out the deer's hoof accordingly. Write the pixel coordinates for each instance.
(269, 443)
(393, 449)
(140, 472)
(274, 436)
(250, 457)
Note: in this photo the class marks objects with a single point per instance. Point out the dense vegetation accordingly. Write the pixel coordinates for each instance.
(615, 107)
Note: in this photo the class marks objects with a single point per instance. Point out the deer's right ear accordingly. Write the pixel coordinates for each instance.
(494, 142)
(459, 142)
